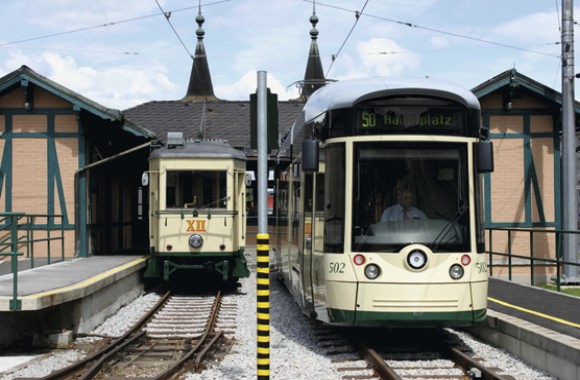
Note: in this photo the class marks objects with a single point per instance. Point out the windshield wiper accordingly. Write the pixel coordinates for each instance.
(450, 225)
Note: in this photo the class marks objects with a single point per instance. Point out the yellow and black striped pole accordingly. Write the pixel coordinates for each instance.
(263, 244)
(263, 302)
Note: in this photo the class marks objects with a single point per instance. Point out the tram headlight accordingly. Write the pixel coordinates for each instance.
(372, 271)
(456, 271)
(417, 259)
(195, 240)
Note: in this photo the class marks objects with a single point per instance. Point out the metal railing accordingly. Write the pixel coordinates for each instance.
(18, 230)
(34, 225)
(556, 262)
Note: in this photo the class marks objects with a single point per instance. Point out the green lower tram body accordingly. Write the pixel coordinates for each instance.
(227, 266)
(468, 318)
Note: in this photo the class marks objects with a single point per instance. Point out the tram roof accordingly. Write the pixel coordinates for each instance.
(199, 149)
(348, 93)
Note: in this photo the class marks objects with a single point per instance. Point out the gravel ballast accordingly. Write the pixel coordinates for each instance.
(295, 352)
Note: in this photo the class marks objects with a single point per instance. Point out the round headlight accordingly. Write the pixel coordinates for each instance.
(417, 259)
(372, 271)
(195, 240)
(456, 271)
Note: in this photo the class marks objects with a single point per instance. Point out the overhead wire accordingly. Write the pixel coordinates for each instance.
(167, 15)
(411, 25)
(107, 24)
(76, 30)
(357, 17)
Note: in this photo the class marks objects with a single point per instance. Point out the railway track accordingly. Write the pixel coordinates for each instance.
(174, 335)
(403, 355)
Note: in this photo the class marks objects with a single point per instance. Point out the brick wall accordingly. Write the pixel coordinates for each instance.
(522, 195)
(30, 171)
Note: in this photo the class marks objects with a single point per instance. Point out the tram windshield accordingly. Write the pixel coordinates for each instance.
(196, 189)
(406, 193)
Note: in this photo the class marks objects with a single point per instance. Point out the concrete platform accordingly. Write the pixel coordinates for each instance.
(538, 326)
(68, 297)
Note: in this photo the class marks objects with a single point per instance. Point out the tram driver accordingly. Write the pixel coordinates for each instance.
(402, 210)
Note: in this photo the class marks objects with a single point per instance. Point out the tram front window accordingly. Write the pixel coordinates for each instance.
(196, 189)
(406, 193)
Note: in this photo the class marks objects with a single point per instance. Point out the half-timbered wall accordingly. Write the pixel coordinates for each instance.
(39, 150)
(522, 191)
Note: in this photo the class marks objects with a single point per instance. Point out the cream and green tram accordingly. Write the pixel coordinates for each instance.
(385, 206)
(197, 216)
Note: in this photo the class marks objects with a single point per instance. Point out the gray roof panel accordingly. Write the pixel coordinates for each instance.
(347, 93)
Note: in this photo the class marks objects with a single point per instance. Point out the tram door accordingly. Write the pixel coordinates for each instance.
(307, 241)
(312, 278)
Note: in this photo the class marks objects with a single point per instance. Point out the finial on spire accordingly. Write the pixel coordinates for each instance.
(200, 20)
(314, 21)
(314, 31)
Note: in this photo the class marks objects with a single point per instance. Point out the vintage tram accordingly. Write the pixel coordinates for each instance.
(197, 215)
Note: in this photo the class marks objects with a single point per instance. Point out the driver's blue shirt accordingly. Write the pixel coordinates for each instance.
(396, 213)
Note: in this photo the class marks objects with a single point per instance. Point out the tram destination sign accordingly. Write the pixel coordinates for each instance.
(408, 119)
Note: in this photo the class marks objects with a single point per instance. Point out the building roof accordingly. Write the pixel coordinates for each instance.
(512, 80)
(228, 120)
(24, 76)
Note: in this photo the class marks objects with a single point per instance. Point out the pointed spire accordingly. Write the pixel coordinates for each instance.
(200, 87)
(314, 76)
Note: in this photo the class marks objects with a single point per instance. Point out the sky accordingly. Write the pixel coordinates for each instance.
(125, 53)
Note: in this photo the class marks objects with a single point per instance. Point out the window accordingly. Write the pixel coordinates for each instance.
(406, 193)
(196, 189)
(334, 199)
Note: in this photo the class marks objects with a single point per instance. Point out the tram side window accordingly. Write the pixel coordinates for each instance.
(196, 189)
(334, 200)
(320, 192)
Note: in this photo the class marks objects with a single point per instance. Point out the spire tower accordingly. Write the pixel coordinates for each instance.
(200, 86)
(314, 76)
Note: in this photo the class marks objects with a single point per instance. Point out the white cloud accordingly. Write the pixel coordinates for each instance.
(248, 84)
(91, 13)
(128, 63)
(118, 87)
(381, 56)
(540, 27)
(439, 42)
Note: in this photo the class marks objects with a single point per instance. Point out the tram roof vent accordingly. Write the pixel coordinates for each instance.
(175, 139)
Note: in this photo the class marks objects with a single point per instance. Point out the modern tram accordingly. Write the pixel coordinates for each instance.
(197, 213)
(383, 207)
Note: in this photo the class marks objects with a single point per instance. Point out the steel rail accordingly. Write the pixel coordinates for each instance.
(374, 359)
(79, 365)
(96, 361)
(468, 363)
(177, 366)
